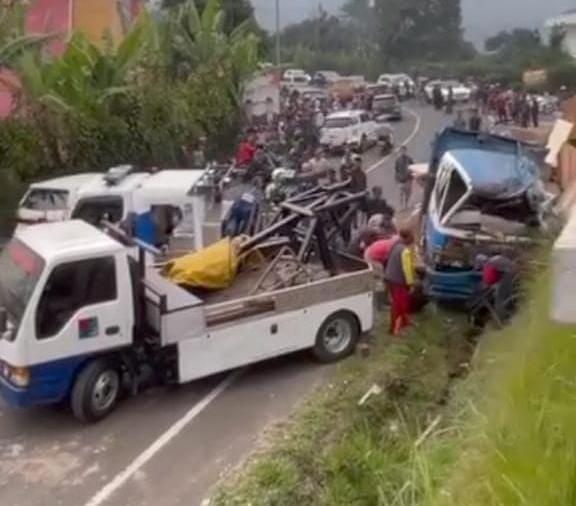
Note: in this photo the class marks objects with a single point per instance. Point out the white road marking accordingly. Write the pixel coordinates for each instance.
(408, 140)
(105, 493)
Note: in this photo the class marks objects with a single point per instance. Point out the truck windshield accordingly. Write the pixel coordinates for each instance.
(20, 270)
(44, 199)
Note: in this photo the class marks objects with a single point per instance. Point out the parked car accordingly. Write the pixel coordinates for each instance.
(325, 78)
(349, 128)
(547, 103)
(296, 77)
(387, 107)
(378, 89)
(460, 92)
(401, 82)
(314, 94)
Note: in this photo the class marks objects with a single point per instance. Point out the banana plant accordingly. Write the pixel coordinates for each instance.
(187, 40)
(85, 79)
(14, 41)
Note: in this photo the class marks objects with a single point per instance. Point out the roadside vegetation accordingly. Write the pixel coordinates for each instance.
(338, 452)
(174, 78)
(514, 441)
(423, 39)
(434, 435)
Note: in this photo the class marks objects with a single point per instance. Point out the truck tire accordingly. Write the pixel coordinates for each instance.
(96, 391)
(337, 337)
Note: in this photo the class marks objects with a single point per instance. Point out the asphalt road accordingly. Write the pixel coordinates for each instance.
(169, 447)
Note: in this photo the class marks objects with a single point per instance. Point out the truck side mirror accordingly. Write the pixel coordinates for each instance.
(3, 320)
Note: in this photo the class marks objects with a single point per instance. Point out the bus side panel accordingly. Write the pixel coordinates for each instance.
(254, 340)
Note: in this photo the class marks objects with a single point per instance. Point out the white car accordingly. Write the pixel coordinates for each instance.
(403, 82)
(328, 76)
(296, 77)
(349, 128)
(460, 92)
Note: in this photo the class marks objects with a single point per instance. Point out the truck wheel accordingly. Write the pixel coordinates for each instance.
(96, 391)
(337, 337)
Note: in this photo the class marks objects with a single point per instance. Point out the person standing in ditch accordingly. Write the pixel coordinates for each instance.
(404, 177)
(400, 278)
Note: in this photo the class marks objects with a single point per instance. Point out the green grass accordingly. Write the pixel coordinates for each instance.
(514, 438)
(504, 436)
(335, 452)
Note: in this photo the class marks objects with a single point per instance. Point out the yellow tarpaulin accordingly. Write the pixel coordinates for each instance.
(213, 268)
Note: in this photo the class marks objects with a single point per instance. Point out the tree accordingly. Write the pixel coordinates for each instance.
(172, 78)
(411, 30)
(323, 33)
(508, 42)
(187, 39)
(236, 12)
(522, 49)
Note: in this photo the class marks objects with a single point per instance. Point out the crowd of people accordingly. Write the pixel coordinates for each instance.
(510, 106)
(280, 153)
(292, 136)
(492, 105)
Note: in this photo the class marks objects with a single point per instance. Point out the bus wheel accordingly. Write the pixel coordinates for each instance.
(337, 337)
(96, 391)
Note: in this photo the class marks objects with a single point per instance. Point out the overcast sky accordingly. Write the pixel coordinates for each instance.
(482, 18)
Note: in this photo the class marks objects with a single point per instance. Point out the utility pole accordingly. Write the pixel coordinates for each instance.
(278, 56)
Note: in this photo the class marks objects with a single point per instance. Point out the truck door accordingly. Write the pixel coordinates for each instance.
(82, 309)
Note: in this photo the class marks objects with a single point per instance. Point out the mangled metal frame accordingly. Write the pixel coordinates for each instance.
(314, 221)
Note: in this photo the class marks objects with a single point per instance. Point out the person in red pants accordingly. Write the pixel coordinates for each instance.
(400, 277)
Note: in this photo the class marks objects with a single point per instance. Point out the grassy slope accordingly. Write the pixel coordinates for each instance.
(507, 436)
(516, 441)
(338, 453)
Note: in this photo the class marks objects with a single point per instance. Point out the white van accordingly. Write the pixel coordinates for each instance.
(51, 200)
(153, 205)
(295, 78)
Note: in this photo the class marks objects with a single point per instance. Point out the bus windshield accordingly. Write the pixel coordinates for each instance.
(20, 270)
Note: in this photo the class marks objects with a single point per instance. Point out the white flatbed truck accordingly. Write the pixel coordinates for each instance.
(82, 321)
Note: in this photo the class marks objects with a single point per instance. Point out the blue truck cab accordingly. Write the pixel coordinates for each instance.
(484, 195)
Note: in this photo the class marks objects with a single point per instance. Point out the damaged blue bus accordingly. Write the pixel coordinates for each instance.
(484, 196)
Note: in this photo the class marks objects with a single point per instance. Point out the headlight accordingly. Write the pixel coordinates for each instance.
(18, 376)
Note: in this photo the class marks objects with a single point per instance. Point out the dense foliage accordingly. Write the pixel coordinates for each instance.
(146, 101)
(423, 37)
(376, 35)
